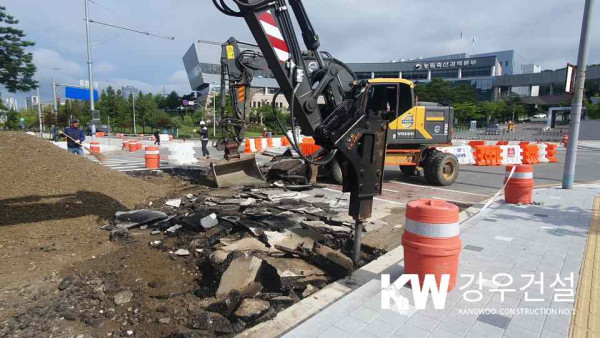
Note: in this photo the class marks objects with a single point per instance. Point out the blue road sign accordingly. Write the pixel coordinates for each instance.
(79, 94)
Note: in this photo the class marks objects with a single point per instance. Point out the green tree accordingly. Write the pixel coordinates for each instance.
(592, 110)
(12, 120)
(445, 92)
(16, 66)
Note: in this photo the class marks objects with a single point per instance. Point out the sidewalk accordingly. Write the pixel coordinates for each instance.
(533, 244)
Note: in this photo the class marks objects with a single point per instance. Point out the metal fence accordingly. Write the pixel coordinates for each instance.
(519, 134)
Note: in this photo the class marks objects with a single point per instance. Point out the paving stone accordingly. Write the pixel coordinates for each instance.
(393, 317)
(454, 326)
(423, 322)
(480, 329)
(443, 334)
(473, 248)
(514, 331)
(380, 328)
(350, 324)
(334, 332)
(364, 314)
(408, 330)
(495, 320)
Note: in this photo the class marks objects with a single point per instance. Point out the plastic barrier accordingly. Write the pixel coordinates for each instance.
(431, 240)
(551, 152)
(95, 147)
(464, 154)
(308, 146)
(125, 145)
(542, 152)
(530, 153)
(502, 143)
(182, 154)
(519, 188)
(474, 144)
(285, 142)
(511, 154)
(487, 155)
(152, 157)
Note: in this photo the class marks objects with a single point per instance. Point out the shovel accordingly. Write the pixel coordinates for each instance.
(99, 157)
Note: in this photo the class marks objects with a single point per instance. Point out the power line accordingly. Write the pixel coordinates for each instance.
(133, 30)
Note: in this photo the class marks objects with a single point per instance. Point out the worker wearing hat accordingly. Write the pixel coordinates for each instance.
(204, 139)
(76, 137)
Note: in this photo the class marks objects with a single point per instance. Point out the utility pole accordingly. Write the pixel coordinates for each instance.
(54, 103)
(133, 99)
(40, 111)
(576, 105)
(214, 113)
(89, 62)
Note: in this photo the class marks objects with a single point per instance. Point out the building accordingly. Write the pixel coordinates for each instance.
(478, 70)
(10, 103)
(32, 102)
(129, 90)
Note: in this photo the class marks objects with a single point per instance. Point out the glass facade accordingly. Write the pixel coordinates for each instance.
(363, 75)
(477, 71)
(415, 75)
(444, 74)
(387, 75)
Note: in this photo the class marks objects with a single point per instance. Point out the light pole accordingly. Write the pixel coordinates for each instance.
(89, 62)
(576, 105)
(214, 113)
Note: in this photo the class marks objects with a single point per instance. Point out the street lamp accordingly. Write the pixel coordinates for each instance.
(214, 109)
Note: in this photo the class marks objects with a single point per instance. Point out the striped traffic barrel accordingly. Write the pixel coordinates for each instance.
(139, 145)
(431, 240)
(519, 188)
(133, 145)
(125, 145)
(152, 157)
(95, 147)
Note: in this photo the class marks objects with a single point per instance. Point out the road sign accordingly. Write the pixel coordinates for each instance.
(79, 94)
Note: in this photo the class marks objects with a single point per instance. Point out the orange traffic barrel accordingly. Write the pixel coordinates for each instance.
(565, 140)
(95, 147)
(152, 157)
(285, 142)
(431, 240)
(133, 145)
(139, 145)
(247, 147)
(125, 144)
(520, 186)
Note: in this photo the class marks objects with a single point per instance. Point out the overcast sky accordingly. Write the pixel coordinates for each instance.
(545, 32)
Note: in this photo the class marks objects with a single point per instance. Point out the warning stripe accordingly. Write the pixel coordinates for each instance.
(269, 25)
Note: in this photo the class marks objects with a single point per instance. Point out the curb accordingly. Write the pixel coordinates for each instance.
(296, 314)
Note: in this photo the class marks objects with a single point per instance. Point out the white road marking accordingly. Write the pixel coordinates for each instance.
(435, 188)
(387, 201)
(505, 239)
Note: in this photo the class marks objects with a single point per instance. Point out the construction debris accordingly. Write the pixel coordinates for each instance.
(209, 221)
(175, 203)
(119, 234)
(123, 297)
(130, 219)
(182, 252)
(251, 309)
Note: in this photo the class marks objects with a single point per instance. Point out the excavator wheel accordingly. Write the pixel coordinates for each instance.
(441, 168)
(409, 170)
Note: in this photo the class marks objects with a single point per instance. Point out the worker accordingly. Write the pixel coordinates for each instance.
(265, 134)
(204, 139)
(511, 126)
(76, 137)
(156, 136)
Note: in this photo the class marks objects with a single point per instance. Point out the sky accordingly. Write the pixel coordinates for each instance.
(544, 32)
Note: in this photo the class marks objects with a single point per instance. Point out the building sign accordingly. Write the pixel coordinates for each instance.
(446, 64)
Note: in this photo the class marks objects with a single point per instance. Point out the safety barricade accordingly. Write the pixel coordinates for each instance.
(125, 145)
(487, 155)
(133, 145)
(542, 152)
(464, 154)
(308, 146)
(551, 152)
(530, 153)
(257, 145)
(502, 143)
(519, 188)
(511, 154)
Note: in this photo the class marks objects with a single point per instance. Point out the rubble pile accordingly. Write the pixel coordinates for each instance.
(255, 252)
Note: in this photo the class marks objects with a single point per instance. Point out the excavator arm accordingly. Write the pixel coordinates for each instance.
(340, 125)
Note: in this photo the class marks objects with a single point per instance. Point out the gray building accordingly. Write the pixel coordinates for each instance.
(478, 70)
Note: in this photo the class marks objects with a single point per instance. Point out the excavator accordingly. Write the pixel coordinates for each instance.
(349, 119)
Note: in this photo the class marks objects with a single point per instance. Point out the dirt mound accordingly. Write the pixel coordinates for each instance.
(51, 205)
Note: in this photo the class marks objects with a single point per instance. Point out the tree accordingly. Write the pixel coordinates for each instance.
(592, 110)
(12, 120)
(16, 66)
(172, 101)
(445, 92)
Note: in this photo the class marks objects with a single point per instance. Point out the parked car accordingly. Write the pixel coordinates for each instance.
(540, 116)
(492, 129)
